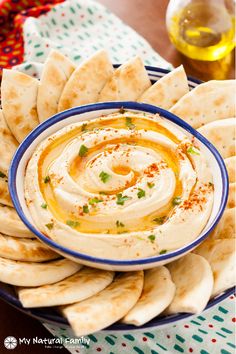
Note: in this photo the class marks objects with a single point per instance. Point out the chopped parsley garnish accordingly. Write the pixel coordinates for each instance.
(152, 238)
(46, 179)
(150, 185)
(119, 224)
(104, 176)
(84, 127)
(2, 175)
(160, 220)
(128, 122)
(176, 201)
(49, 225)
(72, 223)
(103, 193)
(121, 199)
(163, 252)
(85, 209)
(192, 150)
(141, 193)
(95, 201)
(44, 205)
(83, 150)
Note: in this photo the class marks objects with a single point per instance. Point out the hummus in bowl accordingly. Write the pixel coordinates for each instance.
(118, 183)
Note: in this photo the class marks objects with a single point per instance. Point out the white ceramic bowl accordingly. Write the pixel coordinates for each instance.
(89, 112)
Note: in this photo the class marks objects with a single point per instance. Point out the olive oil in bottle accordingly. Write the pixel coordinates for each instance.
(202, 30)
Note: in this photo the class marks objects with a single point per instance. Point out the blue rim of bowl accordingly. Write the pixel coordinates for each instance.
(43, 315)
(107, 106)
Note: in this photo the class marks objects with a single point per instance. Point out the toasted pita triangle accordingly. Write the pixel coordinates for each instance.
(127, 83)
(232, 196)
(36, 274)
(25, 249)
(167, 90)
(86, 82)
(56, 72)
(193, 279)
(19, 95)
(10, 223)
(158, 292)
(7, 149)
(80, 286)
(221, 256)
(8, 145)
(207, 102)
(4, 193)
(230, 164)
(106, 307)
(226, 226)
(221, 133)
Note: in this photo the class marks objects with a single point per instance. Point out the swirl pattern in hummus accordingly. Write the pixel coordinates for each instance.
(122, 186)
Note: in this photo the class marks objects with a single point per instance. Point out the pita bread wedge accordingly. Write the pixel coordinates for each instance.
(127, 83)
(158, 292)
(221, 133)
(167, 90)
(207, 102)
(221, 256)
(230, 164)
(226, 226)
(11, 224)
(25, 249)
(7, 149)
(36, 274)
(56, 72)
(193, 279)
(80, 286)
(232, 196)
(86, 82)
(106, 307)
(5, 198)
(19, 95)
(8, 146)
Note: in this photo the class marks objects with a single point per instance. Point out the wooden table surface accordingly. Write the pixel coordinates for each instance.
(148, 18)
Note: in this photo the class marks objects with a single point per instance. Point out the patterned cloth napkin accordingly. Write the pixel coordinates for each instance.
(210, 333)
(78, 28)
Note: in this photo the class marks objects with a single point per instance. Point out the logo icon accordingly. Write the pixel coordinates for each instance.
(10, 342)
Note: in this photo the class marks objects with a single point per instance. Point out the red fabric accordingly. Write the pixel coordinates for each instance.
(13, 13)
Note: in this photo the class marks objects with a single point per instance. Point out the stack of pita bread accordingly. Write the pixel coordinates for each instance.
(93, 299)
